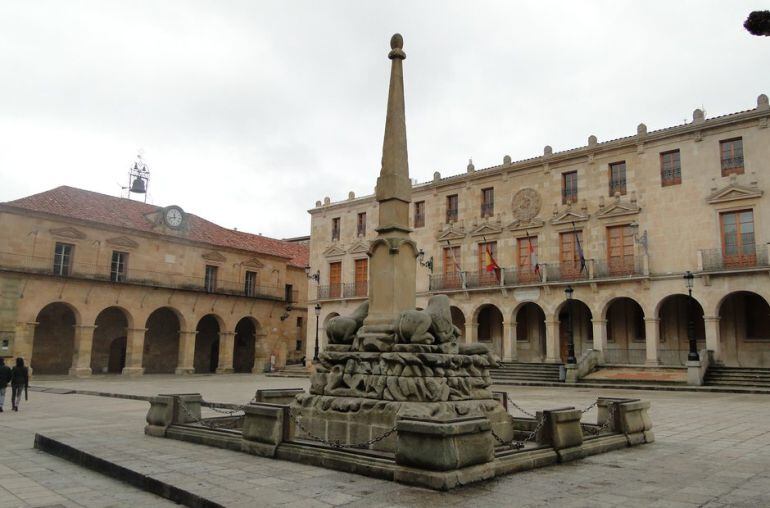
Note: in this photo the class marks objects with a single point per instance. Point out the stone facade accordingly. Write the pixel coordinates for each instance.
(634, 308)
(161, 315)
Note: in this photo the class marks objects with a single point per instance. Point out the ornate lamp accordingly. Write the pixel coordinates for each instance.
(693, 354)
(570, 333)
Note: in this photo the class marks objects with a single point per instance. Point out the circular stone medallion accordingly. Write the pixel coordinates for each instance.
(526, 204)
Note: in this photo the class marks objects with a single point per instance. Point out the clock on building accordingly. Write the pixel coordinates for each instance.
(173, 217)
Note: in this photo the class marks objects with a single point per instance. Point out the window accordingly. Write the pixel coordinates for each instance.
(210, 282)
(250, 284)
(62, 259)
(118, 266)
(570, 248)
(452, 267)
(738, 247)
(419, 214)
(620, 250)
(362, 277)
(618, 178)
(335, 279)
(731, 155)
(299, 321)
(527, 259)
(288, 293)
(361, 224)
(488, 277)
(451, 208)
(335, 229)
(670, 168)
(487, 202)
(569, 187)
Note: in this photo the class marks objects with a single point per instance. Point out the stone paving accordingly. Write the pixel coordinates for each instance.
(712, 449)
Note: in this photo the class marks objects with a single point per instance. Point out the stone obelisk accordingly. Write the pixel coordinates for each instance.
(392, 266)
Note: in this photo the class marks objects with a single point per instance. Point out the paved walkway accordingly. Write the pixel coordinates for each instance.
(711, 450)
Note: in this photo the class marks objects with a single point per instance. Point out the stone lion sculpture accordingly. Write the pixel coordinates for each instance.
(430, 326)
(342, 329)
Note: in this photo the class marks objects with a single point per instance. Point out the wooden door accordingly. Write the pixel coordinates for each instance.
(738, 244)
(335, 279)
(452, 267)
(487, 278)
(362, 276)
(569, 254)
(620, 250)
(526, 272)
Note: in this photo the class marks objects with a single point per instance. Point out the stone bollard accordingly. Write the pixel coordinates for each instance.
(561, 429)
(502, 398)
(165, 411)
(444, 445)
(635, 423)
(603, 406)
(264, 428)
(282, 396)
(570, 373)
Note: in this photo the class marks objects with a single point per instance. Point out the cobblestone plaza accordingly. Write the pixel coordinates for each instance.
(711, 449)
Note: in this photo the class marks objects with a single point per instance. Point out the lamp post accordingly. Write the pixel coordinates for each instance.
(692, 356)
(570, 333)
(317, 314)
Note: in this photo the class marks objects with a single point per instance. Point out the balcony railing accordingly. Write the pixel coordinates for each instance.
(717, 260)
(419, 220)
(44, 265)
(612, 268)
(447, 281)
(487, 209)
(733, 163)
(343, 290)
(483, 279)
(451, 215)
(565, 272)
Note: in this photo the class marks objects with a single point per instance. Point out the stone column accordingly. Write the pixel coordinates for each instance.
(509, 342)
(186, 352)
(226, 351)
(652, 340)
(471, 330)
(22, 341)
(134, 351)
(600, 337)
(712, 336)
(81, 358)
(552, 352)
(260, 352)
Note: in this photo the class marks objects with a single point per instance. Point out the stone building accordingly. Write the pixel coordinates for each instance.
(91, 283)
(620, 222)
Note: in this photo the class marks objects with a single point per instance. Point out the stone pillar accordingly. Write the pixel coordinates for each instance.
(22, 341)
(226, 350)
(712, 336)
(471, 330)
(600, 337)
(552, 351)
(81, 358)
(134, 351)
(652, 340)
(186, 352)
(260, 354)
(509, 342)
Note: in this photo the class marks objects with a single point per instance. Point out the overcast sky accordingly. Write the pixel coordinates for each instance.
(248, 112)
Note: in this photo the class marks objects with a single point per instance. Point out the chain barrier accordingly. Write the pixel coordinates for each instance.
(336, 443)
(518, 445)
(229, 424)
(521, 409)
(610, 418)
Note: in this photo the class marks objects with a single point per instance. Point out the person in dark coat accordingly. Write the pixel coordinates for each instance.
(19, 382)
(5, 378)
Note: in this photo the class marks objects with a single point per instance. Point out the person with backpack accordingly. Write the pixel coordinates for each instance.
(19, 382)
(5, 378)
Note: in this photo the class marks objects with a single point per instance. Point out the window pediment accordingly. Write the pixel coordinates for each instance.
(486, 229)
(526, 224)
(333, 251)
(359, 247)
(214, 256)
(252, 263)
(569, 216)
(68, 232)
(451, 233)
(733, 192)
(123, 241)
(618, 209)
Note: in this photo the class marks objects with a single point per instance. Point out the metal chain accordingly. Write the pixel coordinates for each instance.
(210, 424)
(518, 445)
(605, 425)
(587, 409)
(336, 443)
(521, 409)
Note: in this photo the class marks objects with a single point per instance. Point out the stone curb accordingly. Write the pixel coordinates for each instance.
(650, 387)
(134, 478)
(146, 398)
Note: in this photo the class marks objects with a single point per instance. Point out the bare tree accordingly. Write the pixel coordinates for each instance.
(758, 23)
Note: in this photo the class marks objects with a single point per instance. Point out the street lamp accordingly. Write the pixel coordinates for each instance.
(314, 276)
(421, 258)
(570, 334)
(317, 314)
(693, 354)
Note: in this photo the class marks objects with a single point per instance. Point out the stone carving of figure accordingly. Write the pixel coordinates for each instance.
(430, 326)
(342, 329)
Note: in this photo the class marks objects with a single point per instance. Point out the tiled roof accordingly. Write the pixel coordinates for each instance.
(90, 206)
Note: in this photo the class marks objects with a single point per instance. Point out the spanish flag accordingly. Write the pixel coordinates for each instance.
(491, 264)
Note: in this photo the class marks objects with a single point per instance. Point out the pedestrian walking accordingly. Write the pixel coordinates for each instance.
(19, 383)
(5, 378)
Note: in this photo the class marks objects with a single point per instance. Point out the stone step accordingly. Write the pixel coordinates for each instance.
(734, 375)
(735, 382)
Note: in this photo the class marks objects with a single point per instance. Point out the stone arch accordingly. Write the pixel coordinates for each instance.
(207, 340)
(161, 340)
(626, 333)
(53, 343)
(488, 319)
(672, 312)
(582, 328)
(530, 332)
(458, 319)
(108, 350)
(744, 329)
(245, 344)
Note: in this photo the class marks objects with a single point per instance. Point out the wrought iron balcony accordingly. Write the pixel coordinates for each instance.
(487, 209)
(732, 163)
(617, 268)
(451, 215)
(343, 290)
(569, 195)
(75, 270)
(715, 260)
(556, 272)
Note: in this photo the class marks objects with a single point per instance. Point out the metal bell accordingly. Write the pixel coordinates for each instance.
(138, 186)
